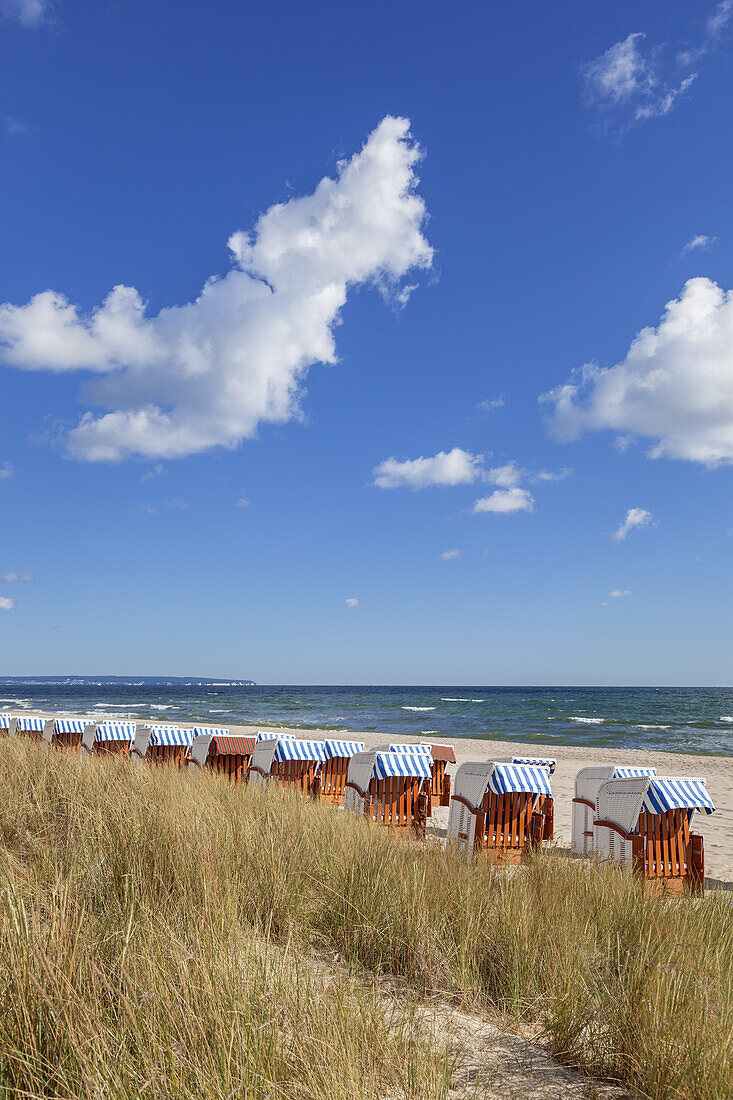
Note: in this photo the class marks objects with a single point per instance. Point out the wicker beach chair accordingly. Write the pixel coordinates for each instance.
(161, 744)
(108, 738)
(644, 823)
(392, 788)
(440, 783)
(336, 768)
(545, 803)
(5, 720)
(495, 809)
(28, 726)
(588, 782)
(224, 752)
(289, 763)
(65, 733)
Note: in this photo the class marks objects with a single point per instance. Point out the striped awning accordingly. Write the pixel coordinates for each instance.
(5, 721)
(170, 735)
(215, 731)
(387, 764)
(536, 761)
(30, 725)
(115, 731)
(300, 750)
(412, 750)
(677, 794)
(343, 748)
(71, 725)
(230, 744)
(276, 737)
(518, 778)
(632, 773)
(444, 752)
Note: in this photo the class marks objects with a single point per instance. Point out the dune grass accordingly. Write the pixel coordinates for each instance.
(157, 932)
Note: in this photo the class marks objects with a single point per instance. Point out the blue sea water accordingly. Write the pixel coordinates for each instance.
(690, 720)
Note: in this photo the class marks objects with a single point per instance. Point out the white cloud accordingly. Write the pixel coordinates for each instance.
(720, 18)
(700, 241)
(491, 403)
(620, 73)
(675, 385)
(12, 578)
(208, 373)
(505, 501)
(505, 476)
(553, 475)
(29, 13)
(665, 102)
(242, 502)
(618, 593)
(153, 472)
(352, 601)
(6, 604)
(13, 126)
(6, 471)
(448, 555)
(456, 467)
(635, 517)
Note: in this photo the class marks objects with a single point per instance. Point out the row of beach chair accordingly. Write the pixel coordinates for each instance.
(502, 808)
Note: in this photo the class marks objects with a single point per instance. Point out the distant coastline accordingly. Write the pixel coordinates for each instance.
(123, 681)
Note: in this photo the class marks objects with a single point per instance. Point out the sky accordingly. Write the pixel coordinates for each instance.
(367, 343)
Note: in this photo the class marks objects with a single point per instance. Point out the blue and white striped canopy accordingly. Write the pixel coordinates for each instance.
(277, 737)
(30, 725)
(387, 764)
(632, 773)
(288, 749)
(170, 735)
(518, 778)
(198, 731)
(343, 748)
(412, 750)
(115, 731)
(536, 761)
(677, 794)
(70, 725)
(4, 721)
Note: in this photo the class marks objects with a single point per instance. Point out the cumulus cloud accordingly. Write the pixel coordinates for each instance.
(618, 593)
(675, 385)
(456, 467)
(29, 13)
(352, 601)
(13, 578)
(505, 476)
(635, 517)
(700, 241)
(6, 604)
(503, 501)
(448, 555)
(207, 373)
(6, 471)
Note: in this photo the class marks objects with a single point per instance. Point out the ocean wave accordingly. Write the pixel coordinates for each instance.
(587, 721)
(417, 708)
(642, 726)
(457, 699)
(726, 718)
(426, 732)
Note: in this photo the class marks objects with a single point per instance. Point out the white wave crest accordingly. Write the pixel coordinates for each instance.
(726, 718)
(417, 708)
(458, 699)
(587, 721)
(642, 726)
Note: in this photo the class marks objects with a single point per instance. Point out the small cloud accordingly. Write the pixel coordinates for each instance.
(29, 13)
(13, 126)
(505, 476)
(456, 467)
(504, 501)
(6, 604)
(635, 517)
(447, 555)
(13, 578)
(700, 241)
(176, 505)
(553, 475)
(153, 472)
(618, 593)
(490, 403)
(352, 601)
(242, 502)
(147, 509)
(6, 472)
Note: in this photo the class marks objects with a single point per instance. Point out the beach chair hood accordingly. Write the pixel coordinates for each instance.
(61, 726)
(474, 779)
(27, 724)
(342, 748)
(219, 743)
(376, 764)
(622, 800)
(108, 731)
(270, 751)
(443, 752)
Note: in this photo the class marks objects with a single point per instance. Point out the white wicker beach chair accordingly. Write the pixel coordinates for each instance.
(644, 823)
(335, 769)
(109, 738)
(495, 808)
(588, 782)
(161, 744)
(392, 788)
(289, 763)
(65, 733)
(27, 725)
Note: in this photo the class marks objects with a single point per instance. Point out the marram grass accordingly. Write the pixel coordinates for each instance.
(158, 931)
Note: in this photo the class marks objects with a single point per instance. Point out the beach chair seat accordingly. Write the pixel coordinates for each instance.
(644, 823)
(159, 744)
(588, 782)
(392, 788)
(335, 769)
(108, 738)
(495, 808)
(223, 752)
(65, 733)
(289, 763)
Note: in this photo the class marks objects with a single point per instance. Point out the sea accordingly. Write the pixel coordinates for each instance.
(686, 720)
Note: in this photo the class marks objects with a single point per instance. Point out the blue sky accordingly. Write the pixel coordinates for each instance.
(209, 489)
